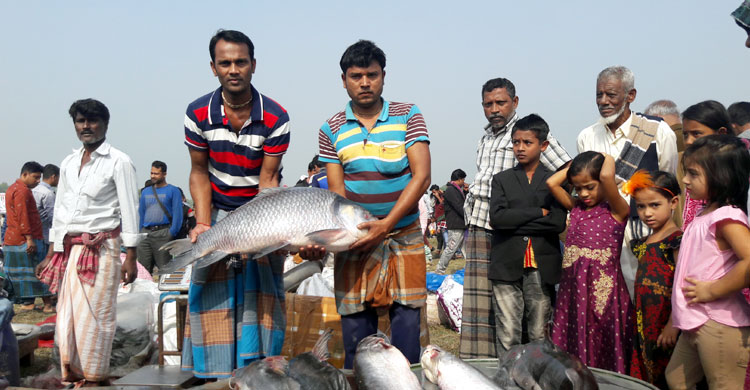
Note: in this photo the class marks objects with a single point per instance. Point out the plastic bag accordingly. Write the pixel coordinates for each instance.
(434, 281)
(450, 302)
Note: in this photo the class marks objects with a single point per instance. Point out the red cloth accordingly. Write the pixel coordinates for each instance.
(88, 262)
(22, 215)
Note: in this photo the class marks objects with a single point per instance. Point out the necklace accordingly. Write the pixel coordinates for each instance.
(235, 106)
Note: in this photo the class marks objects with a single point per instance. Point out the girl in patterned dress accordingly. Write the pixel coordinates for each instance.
(713, 266)
(656, 198)
(593, 313)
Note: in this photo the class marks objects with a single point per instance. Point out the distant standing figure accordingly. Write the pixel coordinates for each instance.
(453, 205)
(160, 211)
(45, 198)
(24, 241)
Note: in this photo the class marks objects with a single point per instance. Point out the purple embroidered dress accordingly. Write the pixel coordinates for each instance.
(593, 313)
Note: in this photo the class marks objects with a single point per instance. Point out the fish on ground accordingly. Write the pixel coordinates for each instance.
(541, 365)
(278, 218)
(451, 373)
(378, 365)
(265, 374)
(312, 370)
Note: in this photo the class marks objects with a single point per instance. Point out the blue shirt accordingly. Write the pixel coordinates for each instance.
(376, 167)
(151, 214)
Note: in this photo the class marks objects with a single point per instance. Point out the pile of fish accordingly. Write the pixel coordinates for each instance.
(276, 219)
(378, 365)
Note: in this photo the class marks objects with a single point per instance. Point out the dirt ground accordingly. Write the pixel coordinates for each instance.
(439, 335)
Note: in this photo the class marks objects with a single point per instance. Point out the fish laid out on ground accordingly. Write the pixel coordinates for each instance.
(312, 370)
(541, 365)
(308, 371)
(266, 374)
(278, 218)
(451, 373)
(378, 365)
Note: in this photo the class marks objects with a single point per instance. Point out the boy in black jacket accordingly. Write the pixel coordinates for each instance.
(525, 259)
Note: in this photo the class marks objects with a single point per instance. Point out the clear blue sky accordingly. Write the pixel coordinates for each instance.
(147, 60)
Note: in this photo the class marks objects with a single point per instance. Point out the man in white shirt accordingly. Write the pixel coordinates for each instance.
(96, 211)
(637, 142)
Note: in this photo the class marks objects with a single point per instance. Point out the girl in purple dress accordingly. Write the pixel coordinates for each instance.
(593, 313)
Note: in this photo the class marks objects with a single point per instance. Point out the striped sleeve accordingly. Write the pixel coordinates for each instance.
(277, 142)
(555, 156)
(194, 138)
(327, 151)
(416, 129)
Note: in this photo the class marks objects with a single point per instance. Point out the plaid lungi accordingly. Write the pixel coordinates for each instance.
(393, 271)
(20, 268)
(235, 315)
(86, 319)
(478, 320)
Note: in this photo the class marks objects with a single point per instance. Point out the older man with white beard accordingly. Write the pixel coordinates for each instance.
(637, 142)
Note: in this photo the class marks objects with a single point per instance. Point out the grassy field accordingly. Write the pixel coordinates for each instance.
(439, 335)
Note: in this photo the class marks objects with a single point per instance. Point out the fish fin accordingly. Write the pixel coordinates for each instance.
(178, 262)
(326, 235)
(177, 247)
(320, 350)
(210, 258)
(269, 249)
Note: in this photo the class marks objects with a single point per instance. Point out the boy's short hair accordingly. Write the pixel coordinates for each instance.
(533, 123)
(32, 167)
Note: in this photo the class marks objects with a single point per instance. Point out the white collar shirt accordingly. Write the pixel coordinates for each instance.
(599, 138)
(99, 198)
(494, 155)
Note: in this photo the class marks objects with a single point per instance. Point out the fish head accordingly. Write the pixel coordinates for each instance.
(350, 215)
(430, 359)
(260, 374)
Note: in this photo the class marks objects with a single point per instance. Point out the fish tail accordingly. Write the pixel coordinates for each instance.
(177, 247)
(320, 350)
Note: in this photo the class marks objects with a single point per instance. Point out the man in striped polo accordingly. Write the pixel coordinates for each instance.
(236, 138)
(377, 154)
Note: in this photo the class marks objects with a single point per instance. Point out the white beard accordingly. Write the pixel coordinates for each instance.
(608, 120)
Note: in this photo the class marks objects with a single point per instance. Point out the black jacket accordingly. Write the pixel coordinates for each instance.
(454, 207)
(516, 217)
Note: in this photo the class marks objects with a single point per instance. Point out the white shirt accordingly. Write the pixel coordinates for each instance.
(103, 196)
(45, 203)
(599, 138)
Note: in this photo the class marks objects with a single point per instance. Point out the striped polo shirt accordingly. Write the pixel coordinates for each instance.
(376, 168)
(234, 159)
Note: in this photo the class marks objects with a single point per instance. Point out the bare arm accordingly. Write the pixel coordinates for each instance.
(619, 207)
(419, 163)
(200, 190)
(335, 173)
(554, 183)
(269, 172)
(737, 236)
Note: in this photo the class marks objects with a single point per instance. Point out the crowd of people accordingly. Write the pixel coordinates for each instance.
(636, 250)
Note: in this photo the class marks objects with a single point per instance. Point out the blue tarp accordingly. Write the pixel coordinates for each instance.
(435, 280)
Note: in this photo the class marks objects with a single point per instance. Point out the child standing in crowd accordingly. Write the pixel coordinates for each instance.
(713, 315)
(525, 256)
(656, 198)
(593, 314)
(699, 120)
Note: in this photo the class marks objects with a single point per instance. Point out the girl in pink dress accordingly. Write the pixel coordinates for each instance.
(593, 313)
(712, 267)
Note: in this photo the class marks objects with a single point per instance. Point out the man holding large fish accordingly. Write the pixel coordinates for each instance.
(377, 155)
(236, 138)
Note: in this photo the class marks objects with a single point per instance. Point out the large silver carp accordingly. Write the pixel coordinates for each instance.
(278, 218)
(378, 365)
(451, 373)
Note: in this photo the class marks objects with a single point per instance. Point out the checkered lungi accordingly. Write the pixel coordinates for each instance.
(478, 320)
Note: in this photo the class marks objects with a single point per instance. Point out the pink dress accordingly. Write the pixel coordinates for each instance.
(593, 313)
(700, 258)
